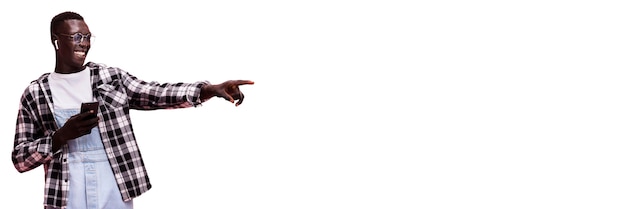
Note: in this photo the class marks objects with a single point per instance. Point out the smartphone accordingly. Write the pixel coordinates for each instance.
(86, 106)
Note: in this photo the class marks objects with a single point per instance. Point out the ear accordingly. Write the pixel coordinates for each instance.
(55, 41)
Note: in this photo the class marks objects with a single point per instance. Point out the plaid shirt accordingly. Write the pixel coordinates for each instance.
(118, 92)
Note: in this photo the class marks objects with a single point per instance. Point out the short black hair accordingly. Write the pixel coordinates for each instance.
(60, 18)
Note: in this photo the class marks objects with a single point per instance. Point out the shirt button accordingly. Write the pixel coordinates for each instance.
(65, 160)
(65, 180)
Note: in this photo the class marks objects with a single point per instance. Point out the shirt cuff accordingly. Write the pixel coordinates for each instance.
(195, 93)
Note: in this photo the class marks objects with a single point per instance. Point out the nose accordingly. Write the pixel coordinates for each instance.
(84, 42)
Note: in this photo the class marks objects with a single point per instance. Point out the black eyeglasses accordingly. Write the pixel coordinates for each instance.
(78, 37)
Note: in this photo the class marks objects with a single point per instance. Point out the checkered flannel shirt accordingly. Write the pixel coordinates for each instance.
(118, 92)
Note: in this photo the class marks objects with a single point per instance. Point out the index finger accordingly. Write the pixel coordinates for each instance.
(243, 82)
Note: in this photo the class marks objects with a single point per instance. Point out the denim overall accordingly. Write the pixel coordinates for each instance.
(92, 184)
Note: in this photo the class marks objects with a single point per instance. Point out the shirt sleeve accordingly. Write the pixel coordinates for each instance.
(32, 147)
(154, 95)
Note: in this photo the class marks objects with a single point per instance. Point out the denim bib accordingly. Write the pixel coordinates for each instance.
(92, 183)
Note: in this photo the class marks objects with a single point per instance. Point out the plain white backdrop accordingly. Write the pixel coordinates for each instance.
(357, 104)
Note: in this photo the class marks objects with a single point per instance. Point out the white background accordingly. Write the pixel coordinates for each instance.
(357, 104)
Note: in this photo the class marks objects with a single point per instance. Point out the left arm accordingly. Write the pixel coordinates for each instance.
(153, 95)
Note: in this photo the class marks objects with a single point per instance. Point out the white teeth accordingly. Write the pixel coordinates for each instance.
(80, 53)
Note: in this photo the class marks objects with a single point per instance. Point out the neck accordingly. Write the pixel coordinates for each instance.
(66, 69)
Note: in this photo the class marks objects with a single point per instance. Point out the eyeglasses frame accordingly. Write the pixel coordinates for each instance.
(83, 37)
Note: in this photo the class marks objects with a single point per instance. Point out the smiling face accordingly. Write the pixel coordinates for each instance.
(70, 53)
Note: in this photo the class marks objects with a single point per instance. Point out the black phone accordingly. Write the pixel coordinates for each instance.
(86, 106)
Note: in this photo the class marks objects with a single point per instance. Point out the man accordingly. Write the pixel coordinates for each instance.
(91, 159)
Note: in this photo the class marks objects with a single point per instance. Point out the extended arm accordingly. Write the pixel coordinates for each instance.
(154, 95)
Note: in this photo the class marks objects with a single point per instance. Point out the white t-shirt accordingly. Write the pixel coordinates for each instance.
(70, 90)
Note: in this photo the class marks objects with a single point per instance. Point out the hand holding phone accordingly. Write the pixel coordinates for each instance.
(77, 125)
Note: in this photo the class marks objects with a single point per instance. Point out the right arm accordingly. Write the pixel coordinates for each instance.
(32, 146)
